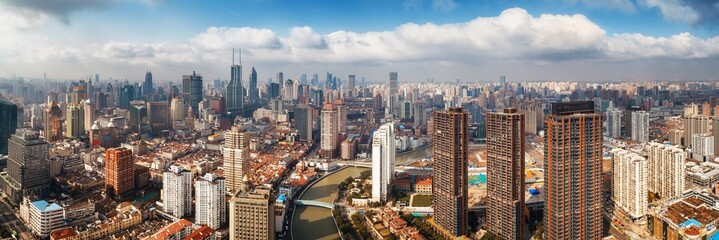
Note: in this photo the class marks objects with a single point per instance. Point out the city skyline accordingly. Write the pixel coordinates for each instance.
(448, 40)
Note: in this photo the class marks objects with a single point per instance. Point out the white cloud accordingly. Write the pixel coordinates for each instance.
(674, 10)
(444, 5)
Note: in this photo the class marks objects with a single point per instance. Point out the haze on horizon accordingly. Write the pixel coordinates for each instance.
(552, 40)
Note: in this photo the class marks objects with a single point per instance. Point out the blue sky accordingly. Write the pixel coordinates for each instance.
(585, 40)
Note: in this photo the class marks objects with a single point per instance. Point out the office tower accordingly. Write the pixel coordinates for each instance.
(405, 110)
(252, 215)
(253, 92)
(177, 191)
(119, 171)
(505, 174)
(88, 109)
(52, 122)
(28, 166)
(383, 153)
(192, 91)
(420, 116)
(695, 124)
(341, 109)
(9, 118)
(304, 122)
(235, 154)
(147, 88)
(640, 126)
(74, 121)
(630, 175)
(234, 90)
(573, 168)
(351, 86)
(393, 84)
(703, 147)
(329, 131)
(177, 110)
(614, 122)
(715, 133)
(666, 169)
(273, 90)
(288, 92)
(127, 94)
(628, 120)
(503, 82)
(280, 78)
(210, 202)
(449, 175)
(158, 116)
(531, 110)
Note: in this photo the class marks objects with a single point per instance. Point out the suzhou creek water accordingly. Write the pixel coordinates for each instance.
(316, 222)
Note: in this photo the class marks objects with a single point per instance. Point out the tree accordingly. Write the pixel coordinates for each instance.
(366, 174)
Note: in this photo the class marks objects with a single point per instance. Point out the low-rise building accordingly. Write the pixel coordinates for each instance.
(177, 230)
(423, 186)
(42, 217)
(703, 175)
(693, 215)
(123, 217)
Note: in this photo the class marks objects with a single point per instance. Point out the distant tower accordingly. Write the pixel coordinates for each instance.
(52, 122)
(192, 91)
(177, 110)
(234, 90)
(147, 86)
(505, 174)
(614, 122)
(573, 172)
(383, 159)
(640, 126)
(236, 158)
(74, 121)
(88, 109)
(351, 86)
(449, 175)
(304, 122)
(177, 191)
(254, 93)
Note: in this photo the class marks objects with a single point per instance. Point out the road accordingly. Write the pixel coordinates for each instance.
(9, 220)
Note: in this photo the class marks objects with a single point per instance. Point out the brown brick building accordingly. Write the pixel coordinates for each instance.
(119, 171)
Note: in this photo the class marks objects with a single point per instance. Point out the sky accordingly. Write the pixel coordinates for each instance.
(473, 40)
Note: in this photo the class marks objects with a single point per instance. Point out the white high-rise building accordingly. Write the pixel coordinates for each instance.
(235, 154)
(630, 182)
(702, 146)
(177, 191)
(695, 124)
(383, 154)
(640, 126)
(614, 122)
(666, 169)
(211, 205)
(177, 109)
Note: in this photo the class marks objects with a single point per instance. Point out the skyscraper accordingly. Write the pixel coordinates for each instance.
(695, 124)
(420, 116)
(341, 109)
(74, 121)
(158, 116)
(449, 174)
(235, 154)
(715, 133)
(119, 171)
(127, 94)
(393, 84)
(383, 154)
(614, 123)
(147, 87)
(351, 86)
(88, 109)
(177, 191)
(234, 90)
(52, 122)
(192, 91)
(177, 110)
(252, 215)
(630, 176)
(667, 175)
(8, 116)
(28, 165)
(505, 174)
(640, 126)
(253, 92)
(304, 122)
(573, 168)
(211, 205)
(280, 78)
(329, 131)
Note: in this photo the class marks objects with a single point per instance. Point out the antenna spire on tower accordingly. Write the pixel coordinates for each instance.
(233, 56)
(240, 56)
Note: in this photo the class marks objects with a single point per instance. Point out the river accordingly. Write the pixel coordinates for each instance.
(316, 222)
